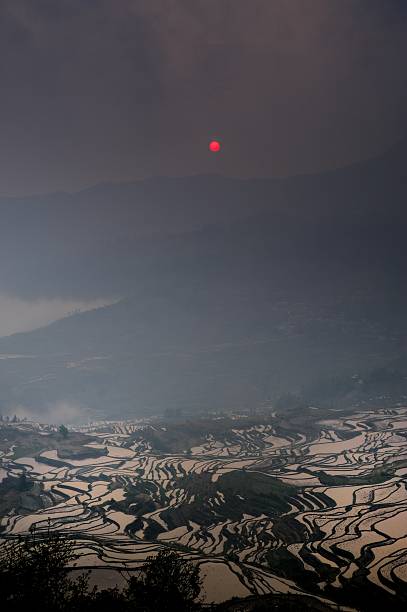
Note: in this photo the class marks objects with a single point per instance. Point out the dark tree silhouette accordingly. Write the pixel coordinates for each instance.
(166, 582)
(34, 575)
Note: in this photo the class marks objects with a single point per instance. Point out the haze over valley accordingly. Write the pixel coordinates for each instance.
(224, 303)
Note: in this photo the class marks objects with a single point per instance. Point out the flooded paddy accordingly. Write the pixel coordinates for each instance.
(331, 502)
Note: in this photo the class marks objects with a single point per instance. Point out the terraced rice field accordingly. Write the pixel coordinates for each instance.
(261, 507)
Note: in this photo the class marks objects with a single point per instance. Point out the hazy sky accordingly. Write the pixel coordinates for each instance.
(93, 90)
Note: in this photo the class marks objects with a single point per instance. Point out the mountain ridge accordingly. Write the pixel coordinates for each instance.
(236, 297)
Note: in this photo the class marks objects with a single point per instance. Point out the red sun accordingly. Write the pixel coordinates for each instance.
(214, 146)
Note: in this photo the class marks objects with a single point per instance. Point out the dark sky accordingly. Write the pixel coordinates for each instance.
(95, 90)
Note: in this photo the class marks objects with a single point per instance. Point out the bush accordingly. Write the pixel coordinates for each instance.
(166, 582)
(35, 575)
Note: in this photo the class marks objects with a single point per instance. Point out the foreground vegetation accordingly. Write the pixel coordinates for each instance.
(36, 574)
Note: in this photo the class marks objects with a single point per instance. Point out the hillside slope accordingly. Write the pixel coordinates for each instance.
(247, 290)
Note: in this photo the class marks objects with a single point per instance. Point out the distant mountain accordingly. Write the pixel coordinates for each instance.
(107, 239)
(234, 292)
